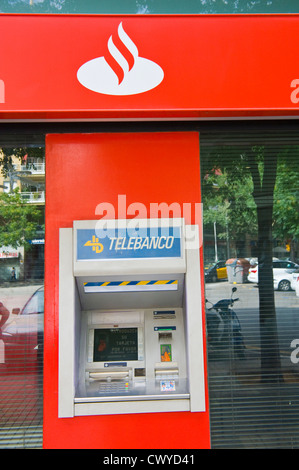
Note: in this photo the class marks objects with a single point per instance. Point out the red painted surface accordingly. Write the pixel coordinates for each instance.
(82, 171)
(232, 65)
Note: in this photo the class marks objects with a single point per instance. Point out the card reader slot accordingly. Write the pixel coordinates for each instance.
(165, 336)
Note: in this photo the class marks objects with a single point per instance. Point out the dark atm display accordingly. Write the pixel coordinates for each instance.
(115, 344)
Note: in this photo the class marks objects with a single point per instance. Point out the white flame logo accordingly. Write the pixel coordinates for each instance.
(122, 71)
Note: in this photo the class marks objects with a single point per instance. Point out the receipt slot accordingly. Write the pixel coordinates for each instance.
(130, 321)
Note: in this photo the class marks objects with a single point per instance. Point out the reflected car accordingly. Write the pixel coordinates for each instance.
(295, 279)
(282, 274)
(216, 272)
(23, 336)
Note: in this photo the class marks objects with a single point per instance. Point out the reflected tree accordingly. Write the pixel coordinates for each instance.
(262, 164)
(259, 158)
(19, 221)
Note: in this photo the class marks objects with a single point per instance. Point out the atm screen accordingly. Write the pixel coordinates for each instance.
(115, 344)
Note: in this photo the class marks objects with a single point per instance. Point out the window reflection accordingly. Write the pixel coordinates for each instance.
(251, 221)
(22, 205)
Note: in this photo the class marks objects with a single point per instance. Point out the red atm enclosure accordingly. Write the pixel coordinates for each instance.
(82, 172)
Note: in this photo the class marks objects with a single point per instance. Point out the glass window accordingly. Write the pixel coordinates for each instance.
(251, 226)
(250, 194)
(21, 290)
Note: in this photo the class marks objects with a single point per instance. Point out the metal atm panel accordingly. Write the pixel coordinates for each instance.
(131, 339)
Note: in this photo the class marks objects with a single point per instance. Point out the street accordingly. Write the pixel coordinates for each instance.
(247, 310)
(264, 412)
(20, 386)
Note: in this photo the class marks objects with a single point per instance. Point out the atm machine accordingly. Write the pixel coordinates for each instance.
(130, 318)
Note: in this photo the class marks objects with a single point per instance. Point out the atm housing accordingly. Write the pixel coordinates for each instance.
(130, 330)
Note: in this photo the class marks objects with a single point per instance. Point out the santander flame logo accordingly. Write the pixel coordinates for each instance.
(121, 72)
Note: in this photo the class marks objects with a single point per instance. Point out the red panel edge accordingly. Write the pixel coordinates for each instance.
(138, 115)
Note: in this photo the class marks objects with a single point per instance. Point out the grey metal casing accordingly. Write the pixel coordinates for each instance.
(76, 311)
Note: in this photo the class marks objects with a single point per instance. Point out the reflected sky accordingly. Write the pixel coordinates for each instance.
(149, 6)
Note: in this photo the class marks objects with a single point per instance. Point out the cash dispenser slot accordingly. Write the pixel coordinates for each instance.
(167, 372)
(109, 375)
